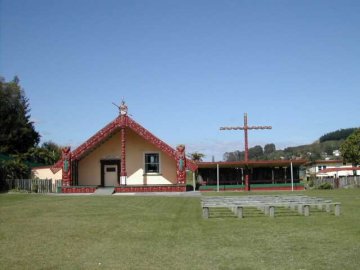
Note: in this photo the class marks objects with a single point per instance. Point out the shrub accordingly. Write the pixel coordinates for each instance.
(325, 186)
(34, 188)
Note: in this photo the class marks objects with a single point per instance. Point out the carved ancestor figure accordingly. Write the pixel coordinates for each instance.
(66, 166)
(123, 108)
(180, 164)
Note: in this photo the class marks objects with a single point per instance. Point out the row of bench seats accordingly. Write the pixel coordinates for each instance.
(268, 203)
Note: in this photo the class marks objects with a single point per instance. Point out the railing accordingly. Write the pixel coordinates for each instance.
(35, 185)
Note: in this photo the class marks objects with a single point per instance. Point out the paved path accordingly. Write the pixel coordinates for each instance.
(163, 194)
(160, 194)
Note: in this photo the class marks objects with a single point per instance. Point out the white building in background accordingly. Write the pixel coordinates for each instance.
(331, 168)
(336, 153)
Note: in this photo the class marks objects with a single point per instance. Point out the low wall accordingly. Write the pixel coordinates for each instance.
(152, 188)
(79, 189)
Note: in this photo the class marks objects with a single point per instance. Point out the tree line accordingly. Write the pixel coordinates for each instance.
(255, 153)
(19, 140)
(347, 143)
(337, 135)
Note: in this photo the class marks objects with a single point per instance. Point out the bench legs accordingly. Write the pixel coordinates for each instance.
(272, 211)
(239, 212)
(306, 210)
(300, 209)
(266, 210)
(337, 209)
(205, 212)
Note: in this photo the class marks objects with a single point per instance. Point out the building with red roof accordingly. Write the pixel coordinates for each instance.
(126, 156)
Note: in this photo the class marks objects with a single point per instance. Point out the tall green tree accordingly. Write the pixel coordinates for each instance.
(350, 149)
(17, 132)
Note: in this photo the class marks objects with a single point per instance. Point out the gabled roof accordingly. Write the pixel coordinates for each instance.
(316, 162)
(123, 121)
(327, 170)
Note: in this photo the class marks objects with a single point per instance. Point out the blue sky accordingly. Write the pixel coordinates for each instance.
(186, 68)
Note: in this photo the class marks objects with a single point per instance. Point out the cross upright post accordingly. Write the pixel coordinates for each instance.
(246, 128)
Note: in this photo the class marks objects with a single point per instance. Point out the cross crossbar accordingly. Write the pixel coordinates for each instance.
(245, 128)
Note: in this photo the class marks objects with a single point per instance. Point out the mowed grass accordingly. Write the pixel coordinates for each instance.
(122, 232)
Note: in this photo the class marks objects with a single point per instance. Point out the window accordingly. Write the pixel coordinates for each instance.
(152, 163)
(110, 169)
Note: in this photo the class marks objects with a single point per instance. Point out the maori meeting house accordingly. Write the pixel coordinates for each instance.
(126, 157)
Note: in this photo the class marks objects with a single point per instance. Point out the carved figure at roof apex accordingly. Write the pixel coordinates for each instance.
(123, 108)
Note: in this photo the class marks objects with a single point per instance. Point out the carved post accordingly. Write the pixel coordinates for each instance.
(123, 110)
(180, 164)
(66, 166)
(123, 173)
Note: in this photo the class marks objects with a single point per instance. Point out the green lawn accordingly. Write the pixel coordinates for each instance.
(120, 232)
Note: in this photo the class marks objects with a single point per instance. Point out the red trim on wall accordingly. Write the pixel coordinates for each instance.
(131, 189)
(71, 189)
(96, 139)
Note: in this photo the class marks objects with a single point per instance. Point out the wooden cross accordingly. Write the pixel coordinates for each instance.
(245, 128)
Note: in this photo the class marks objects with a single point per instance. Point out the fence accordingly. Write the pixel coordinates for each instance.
(35, 185)
(342, 182)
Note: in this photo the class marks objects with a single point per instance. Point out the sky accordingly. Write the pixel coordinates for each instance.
(186, 68)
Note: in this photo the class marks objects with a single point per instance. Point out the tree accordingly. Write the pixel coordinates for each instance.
(17, 132)
(233, 156)
(256, 152)
(48, 154)
(350, 149)
(16, 169)
(196, 156)
(269, 148)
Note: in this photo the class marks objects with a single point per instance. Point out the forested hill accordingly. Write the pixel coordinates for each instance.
(324, 147)
(337, 135)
